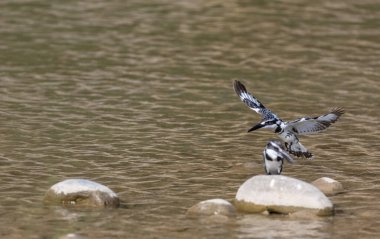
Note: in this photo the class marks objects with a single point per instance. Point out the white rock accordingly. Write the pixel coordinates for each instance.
(281, 194)
(82, 192)
(78, 185)
(72, 236)
(328, 186)
(213, 207)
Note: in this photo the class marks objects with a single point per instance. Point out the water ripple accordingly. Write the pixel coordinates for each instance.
(138, 96)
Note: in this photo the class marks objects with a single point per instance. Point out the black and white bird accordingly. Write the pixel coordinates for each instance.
(274, 155)
(287, 131)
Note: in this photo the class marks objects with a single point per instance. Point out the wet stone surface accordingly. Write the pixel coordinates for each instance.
(213, 207)
(281, 194)
(328, 186)
(81, 193)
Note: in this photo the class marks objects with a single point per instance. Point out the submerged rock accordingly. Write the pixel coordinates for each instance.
(213, 207)
(72, 236)
(281, 194)
(328, 186)
(81, 193)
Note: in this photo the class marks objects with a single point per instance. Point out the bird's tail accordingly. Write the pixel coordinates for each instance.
(299, 150)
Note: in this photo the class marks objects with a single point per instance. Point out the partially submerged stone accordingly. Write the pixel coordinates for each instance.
(328, 186)
(281, 194)
(72, 236)
(213, 207)
(81, 193)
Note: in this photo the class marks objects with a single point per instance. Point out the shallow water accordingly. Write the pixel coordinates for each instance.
(137, 95)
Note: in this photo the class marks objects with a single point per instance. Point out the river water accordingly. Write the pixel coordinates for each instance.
(137, 95)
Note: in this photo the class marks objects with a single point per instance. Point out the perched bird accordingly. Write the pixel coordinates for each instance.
(274, 155)
(287, 131)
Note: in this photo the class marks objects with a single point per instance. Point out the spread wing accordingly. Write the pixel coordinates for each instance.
(307, 125)
(252, 102)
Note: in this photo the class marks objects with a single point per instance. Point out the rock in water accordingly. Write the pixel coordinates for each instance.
(281, 194)
(81, 193)
(213, 207)
(72, 236)
(328, 186)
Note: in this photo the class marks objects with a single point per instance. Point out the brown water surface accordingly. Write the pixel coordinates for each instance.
(137, 95)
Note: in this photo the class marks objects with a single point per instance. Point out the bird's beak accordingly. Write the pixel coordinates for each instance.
(258, 126)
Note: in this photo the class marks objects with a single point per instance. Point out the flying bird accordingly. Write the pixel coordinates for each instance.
(291, 130)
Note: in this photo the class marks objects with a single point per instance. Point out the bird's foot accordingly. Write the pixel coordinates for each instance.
(299, 154)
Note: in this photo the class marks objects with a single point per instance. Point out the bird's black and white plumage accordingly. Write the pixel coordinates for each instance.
(274, 155)
(287, 131)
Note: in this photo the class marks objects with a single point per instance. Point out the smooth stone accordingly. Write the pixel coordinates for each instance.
(281, 194)
(328, 186)
(213, 207)
(81, 193)
(72, 236)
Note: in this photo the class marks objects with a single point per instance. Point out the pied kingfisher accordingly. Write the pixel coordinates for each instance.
(287, 131)
(274, 155)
